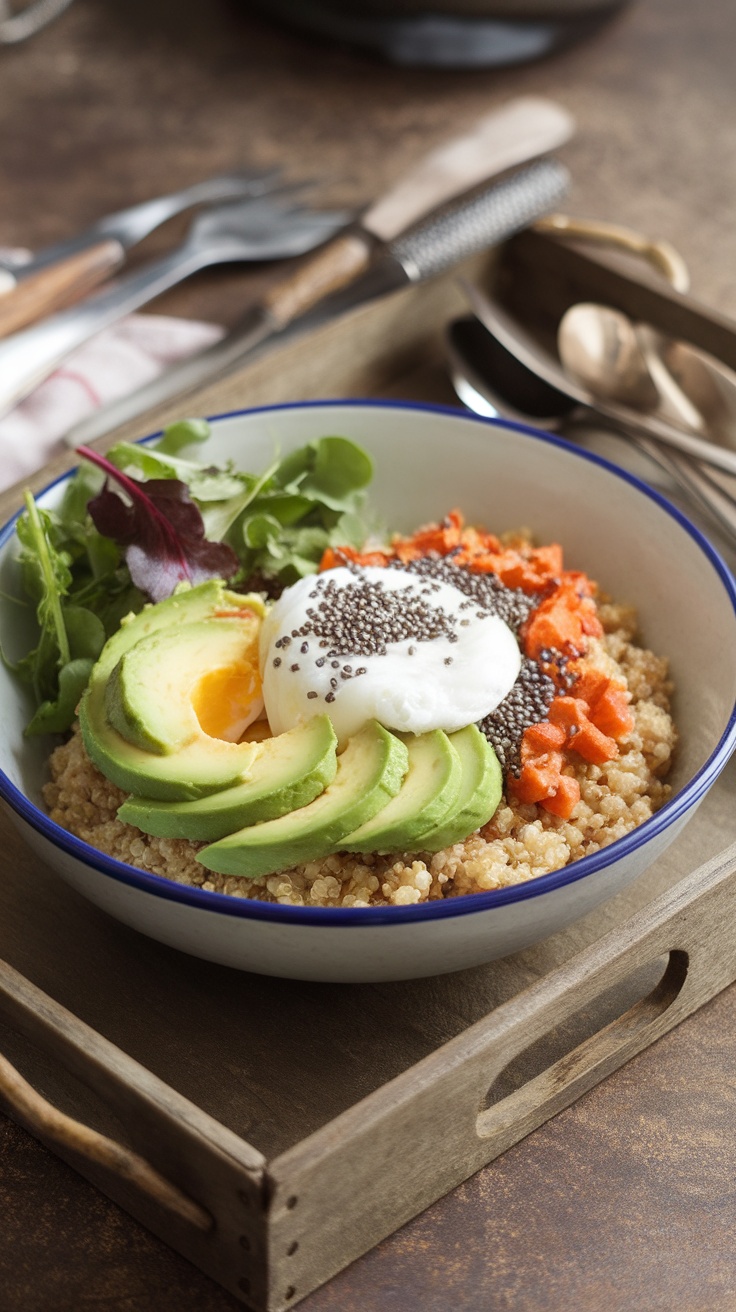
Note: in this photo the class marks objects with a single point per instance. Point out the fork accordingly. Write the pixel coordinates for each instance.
(260, 229)
(131, 225)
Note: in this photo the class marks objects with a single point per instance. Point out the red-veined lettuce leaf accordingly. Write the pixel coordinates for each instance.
(160, 531)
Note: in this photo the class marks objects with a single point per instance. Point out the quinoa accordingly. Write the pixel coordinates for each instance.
(520, 843)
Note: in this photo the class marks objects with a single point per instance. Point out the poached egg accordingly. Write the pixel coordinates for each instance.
(362, 643)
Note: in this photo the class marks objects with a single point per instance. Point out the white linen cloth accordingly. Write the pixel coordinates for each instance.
(111, 364)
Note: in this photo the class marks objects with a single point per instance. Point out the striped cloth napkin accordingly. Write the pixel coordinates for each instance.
(114, 362)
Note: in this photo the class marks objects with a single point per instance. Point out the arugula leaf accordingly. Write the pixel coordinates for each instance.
(56, 715)
(205, 483)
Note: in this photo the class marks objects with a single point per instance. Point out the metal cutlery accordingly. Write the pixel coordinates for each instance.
(424, 251)
(534, 356)
(259, 229)
(130, 225)
(492, 382)
(64, 273)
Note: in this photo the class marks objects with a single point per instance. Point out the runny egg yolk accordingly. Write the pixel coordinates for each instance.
(229, 699)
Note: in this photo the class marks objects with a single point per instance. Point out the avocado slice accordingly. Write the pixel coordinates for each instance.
(201, 768)
(204, 766)
(151, 694)
(428, 792)
(289, 771)
(369, 772)
(480, 792)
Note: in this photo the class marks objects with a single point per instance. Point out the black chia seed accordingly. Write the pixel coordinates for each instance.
(526, 704)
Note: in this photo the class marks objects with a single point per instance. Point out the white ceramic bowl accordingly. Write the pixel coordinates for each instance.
(427, 461)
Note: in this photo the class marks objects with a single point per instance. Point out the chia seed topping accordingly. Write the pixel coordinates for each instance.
(364, 618)
(488, 592)
(526, 704)
(528, 701)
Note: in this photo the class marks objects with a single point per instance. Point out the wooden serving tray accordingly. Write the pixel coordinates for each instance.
(270, 1130)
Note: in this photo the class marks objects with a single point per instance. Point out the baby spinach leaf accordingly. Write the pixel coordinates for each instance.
(183, 433)
(85, 631)
(55, 716)
(340, 469)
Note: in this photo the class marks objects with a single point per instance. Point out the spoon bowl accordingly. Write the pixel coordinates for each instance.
(491, 381)
(599, 346)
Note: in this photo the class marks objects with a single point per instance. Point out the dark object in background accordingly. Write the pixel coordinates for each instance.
(449, 33)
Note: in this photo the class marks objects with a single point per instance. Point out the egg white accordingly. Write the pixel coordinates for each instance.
(411, 693)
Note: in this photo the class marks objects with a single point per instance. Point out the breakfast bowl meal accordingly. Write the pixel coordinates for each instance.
(356, 691)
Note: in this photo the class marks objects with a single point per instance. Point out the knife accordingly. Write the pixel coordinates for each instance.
(520, 130)
(425, 251)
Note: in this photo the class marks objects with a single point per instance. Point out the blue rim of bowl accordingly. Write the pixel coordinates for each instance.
(468, 903)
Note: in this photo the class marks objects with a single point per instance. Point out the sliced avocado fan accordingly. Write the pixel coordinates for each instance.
(369, 772)
(428, 792)
(202, 766)
(288, 772)
(480, 792)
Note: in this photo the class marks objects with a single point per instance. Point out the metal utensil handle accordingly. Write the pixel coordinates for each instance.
(500, 211)
(661, 254)
(63, 1132)
(58, 286)
(131, 225)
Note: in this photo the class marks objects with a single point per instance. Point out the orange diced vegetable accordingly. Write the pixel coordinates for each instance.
(569, 712)
(593, 745)
(547, 560)
(556, 626)
(590, 684)
(565, 798)
(538, 778)
(333, 557)
(612, 713)
(541, 738)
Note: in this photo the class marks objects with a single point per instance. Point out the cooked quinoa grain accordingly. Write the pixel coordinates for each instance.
(519, 843)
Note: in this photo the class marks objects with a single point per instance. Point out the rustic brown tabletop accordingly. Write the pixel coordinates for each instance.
(626, 1200)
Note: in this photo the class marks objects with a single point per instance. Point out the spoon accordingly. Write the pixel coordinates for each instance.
(546, 366)
(494, 383)
(623, 361)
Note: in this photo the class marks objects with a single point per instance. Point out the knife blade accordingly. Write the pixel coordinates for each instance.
(425, 251)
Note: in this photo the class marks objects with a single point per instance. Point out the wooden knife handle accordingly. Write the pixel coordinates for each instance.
(331, 268)
(57, 286)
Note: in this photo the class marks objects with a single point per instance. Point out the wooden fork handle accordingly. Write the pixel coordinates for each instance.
(58, 285)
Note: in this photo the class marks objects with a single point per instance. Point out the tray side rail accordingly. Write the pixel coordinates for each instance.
(190, 1180)
(349, 1185)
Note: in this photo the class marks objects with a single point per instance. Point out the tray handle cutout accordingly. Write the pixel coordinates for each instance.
(546, 1069)
(61, 1131)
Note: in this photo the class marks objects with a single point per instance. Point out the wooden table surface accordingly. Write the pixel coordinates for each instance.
(626, 1200)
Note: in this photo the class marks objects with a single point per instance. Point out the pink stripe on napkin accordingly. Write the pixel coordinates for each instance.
(112, 364)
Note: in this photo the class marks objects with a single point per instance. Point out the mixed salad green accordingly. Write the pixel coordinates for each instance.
(134, 525)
